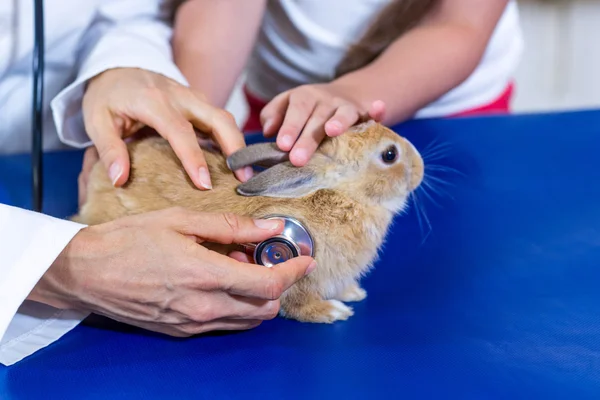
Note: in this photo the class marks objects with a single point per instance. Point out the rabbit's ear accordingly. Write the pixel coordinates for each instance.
(261, 154)
(283, 180)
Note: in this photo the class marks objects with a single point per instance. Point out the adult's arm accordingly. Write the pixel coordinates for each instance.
(187, 289)
(123, 34)
(126, 80)
(29, 244)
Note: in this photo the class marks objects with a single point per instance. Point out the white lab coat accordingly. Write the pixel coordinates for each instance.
(83, 38)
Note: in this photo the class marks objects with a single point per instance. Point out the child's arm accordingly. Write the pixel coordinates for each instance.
(430, 60)
(416, 69)
(212, 40)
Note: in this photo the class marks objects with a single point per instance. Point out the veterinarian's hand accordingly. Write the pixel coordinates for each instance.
(303, 116)
(90, 158)
(121, 101)
(150, 271)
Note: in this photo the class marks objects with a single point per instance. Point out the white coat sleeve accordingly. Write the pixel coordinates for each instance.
(29, 244)
(125, 33)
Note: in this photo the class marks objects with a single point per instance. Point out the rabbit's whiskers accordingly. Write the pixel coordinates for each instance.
(435, 184)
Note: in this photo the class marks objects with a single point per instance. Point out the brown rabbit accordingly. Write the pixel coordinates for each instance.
(347, 196)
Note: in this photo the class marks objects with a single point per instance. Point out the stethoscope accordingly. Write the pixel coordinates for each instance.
(37, 106)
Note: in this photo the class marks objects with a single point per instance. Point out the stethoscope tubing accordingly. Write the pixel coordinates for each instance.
(37, 107)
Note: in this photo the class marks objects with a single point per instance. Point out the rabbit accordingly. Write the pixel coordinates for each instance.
(347, 196)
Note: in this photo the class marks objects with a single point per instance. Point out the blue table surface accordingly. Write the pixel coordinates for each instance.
(490, 291)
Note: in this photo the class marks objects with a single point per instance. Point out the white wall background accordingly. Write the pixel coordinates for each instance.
(560, 69)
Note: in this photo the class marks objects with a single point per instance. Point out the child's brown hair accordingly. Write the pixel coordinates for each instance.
(392, 22)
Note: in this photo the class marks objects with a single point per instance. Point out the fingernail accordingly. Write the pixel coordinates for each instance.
(311, 268)
(287, 141)
(378, 104)
(204, 178)
(335, 126)
(248, 172)
(115, 171)
(270, 224)
(267, 125)
(192, 237)
(301, 156)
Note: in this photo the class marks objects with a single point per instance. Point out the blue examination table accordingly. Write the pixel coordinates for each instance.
(487, 288)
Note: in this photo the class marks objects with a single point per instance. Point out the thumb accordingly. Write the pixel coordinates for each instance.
(260, 282)
(294, 269)
(112, 150)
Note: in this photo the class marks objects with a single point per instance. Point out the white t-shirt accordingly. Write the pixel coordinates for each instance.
(303, 41)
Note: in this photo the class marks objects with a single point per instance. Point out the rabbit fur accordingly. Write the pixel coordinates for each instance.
(347, 196)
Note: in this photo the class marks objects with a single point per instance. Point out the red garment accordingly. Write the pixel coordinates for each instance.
(499, 106)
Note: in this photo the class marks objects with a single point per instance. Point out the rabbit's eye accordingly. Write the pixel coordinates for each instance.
(389, 155)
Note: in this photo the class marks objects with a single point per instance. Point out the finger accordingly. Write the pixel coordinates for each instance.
(193, 328)
(221, 124)
(111, 148)
(377, 111)
(186, 147)
(81, 190)
(257, 281)
(241, 257)
(223, 305)
(179, 132)
(296, 116)
(194, 238)
(271, 116)
(253, 309)
(224, 228)
(221, 325)
(344, 117)
(90, 158)
(312, 135)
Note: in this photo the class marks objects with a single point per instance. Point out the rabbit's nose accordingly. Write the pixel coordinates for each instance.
(417, 170)
(414, 149)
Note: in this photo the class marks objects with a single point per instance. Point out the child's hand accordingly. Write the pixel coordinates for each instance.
(301, 117)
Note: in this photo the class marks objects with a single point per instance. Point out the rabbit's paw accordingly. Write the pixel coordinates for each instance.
(352, 292)
(320, 311)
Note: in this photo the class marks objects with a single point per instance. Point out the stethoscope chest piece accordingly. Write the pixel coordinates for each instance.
(295, 240)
